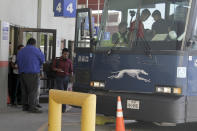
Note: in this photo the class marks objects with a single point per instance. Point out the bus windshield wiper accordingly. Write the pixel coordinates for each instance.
(147, 47)
(109, 52)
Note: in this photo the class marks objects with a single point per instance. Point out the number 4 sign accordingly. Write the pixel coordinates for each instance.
(65, 8)
(70, 8)
(59, 7)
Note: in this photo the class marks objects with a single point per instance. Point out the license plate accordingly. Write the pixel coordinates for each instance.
(133, 104)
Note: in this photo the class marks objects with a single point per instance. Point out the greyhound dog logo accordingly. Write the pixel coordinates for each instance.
(131, 72)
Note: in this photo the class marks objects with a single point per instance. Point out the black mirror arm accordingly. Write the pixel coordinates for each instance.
(190, 42)
(93, 41)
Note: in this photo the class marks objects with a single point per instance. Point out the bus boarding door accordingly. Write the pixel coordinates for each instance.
(83, 47)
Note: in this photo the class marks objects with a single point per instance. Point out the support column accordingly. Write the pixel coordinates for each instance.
(4, 53)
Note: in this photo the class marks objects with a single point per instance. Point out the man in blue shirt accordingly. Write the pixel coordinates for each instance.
(29, 61)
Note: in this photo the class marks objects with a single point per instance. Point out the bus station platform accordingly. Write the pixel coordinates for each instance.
(14, 119)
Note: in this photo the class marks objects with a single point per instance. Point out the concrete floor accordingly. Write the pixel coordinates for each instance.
(16, 120)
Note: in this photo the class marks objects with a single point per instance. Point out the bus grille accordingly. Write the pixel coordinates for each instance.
(82, 77)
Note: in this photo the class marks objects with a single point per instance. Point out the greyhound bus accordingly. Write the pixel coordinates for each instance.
(156, 76)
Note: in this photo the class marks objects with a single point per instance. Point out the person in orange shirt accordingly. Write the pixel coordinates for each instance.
(137, 31)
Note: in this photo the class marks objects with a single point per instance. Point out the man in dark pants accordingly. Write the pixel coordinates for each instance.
(64, 69)
(29, 61)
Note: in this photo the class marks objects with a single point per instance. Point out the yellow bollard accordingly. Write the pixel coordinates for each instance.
(88, 114)
(86, 101)
(55, 115)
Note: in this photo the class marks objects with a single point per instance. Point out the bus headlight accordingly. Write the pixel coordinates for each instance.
(169, 90)
(97, 84)
(163, 89)
(177, 90)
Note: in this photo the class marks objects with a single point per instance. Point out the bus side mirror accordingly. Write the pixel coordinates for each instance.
(82, 28)
(93, 42)
(190, 42)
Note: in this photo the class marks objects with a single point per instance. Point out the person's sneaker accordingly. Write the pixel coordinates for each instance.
(68, 108)
(35, 110)
(39, 106)
(14, 105)
(25, 108)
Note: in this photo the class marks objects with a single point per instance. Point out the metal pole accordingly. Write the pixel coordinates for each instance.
(98, 13)
(87, 3)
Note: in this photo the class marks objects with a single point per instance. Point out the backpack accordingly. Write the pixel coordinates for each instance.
(48, 68)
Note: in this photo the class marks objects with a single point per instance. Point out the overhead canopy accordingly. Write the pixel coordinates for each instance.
(93, 4)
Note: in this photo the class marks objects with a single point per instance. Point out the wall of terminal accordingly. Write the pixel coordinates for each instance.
(19, 12)
(4, 47)
(65, 26)
(24, 13)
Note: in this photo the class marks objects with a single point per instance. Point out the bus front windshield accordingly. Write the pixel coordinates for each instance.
(127, 24)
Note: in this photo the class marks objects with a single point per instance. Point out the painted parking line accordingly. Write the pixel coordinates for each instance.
(71, 114)
(72, 124)
(43, 127)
